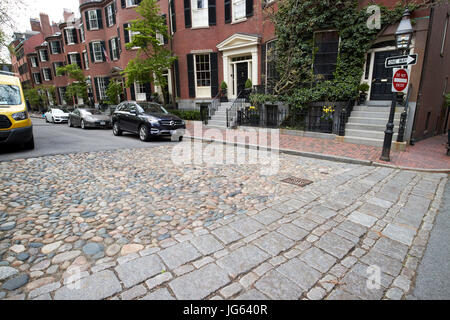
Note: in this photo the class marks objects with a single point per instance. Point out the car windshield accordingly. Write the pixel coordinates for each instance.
(10, 95)
(91, 111)
(151, 108)
(57, 111)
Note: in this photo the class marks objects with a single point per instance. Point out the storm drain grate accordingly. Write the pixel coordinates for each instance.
(297, 181)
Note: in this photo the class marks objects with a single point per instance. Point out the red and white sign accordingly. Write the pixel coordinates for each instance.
(400, 80)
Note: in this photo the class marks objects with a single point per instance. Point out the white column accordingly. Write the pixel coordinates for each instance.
(255, 78)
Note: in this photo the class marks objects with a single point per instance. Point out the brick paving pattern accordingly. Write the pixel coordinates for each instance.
(426, 154)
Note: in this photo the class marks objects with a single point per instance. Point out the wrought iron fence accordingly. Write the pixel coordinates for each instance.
(312, 119)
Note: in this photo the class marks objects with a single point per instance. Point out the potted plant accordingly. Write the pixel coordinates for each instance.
(363, 88)
(223, 92)
(248, 89)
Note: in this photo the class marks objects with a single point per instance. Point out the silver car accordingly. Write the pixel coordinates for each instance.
(89, 118)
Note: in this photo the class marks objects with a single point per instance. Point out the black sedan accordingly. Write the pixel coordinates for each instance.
(147, 119)
(89, 118)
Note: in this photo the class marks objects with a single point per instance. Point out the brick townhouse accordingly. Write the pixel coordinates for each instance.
(229, 41)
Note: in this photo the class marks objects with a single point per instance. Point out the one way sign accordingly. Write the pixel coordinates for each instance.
(399, 61)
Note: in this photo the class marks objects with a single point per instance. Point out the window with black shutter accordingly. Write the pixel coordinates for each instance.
(214, 74)
(103, 50)
(126, 33)
(272, 76)
(173, 22)
(148, 91)
(133, 92)
(191, 75)
(227, 11)
(99, 19)
(164, 16)
(88, 25)
(75, 35)
(78, 59)
(326, 52)
(177, 77)
(212, 12)
(123, 3)
(263, 64)
(91, 51)
(119, 44)
(187, 14)
(248, 8)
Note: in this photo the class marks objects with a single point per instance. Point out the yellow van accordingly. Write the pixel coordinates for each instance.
(15, 122)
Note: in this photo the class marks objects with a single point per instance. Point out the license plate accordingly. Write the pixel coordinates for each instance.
(102, 123)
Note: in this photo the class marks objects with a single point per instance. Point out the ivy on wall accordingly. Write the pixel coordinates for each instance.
(295, 24)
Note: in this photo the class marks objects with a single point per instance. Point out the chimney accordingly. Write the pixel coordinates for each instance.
(35, 25)
(68, 15)
(45, 25)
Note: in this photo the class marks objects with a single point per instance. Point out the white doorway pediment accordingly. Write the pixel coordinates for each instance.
(238, 40)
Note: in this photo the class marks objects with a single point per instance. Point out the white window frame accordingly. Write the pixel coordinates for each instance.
(86, 59)
(234, 5)
(44, 73)
(131, 3)
(52, 47)
(200, 16)
(209, 70)
(95, 53)
(92, 19)
(110, 13)
(69, 36)
(71, 55)
(83, 35)
(56, 65)
(444, 36)
(36, 78)
(40, 55)
(34, 62)
(101, 85)
(114, 49)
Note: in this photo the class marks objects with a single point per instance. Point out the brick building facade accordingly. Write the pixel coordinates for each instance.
(231, 41)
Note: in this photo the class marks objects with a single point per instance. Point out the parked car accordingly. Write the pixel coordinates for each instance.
(15, 122)
(147, 119)
(55, 115)
(89, 118)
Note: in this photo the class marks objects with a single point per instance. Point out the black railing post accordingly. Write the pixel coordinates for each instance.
(401, 128)
(385, 155)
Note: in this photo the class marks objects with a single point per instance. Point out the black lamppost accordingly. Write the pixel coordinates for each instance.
(403, 37)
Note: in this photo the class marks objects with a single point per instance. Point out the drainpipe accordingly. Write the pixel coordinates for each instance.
(422, 76)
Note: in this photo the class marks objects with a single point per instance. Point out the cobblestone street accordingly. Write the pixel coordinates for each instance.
(130, 224)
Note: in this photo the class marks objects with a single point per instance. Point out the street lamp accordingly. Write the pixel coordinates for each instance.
(403, 37)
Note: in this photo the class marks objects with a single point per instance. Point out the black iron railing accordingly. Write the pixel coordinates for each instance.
(403, 117)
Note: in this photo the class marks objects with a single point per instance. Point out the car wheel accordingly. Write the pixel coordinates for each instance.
(143, 133)
(29, 145)
(116, 129)
(69, 123)
(53, 120)
(83, 125)
(180, 139)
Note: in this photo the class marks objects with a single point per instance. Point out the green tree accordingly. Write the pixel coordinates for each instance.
(78, 88)
(113, 92)
(152, 59)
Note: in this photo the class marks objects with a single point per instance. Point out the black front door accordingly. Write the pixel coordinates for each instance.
(382, 77)
(242, 76)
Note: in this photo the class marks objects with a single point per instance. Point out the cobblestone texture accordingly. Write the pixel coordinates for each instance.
(103, 226)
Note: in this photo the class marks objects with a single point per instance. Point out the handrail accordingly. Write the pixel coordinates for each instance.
(234, 108)
(403, 116)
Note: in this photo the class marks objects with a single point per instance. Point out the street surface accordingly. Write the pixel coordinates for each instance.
(130, 224)
(51, 139)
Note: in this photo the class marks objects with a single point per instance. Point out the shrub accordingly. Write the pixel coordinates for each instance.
(187, 114)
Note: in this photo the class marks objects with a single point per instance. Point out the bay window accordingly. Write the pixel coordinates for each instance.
(93, 20)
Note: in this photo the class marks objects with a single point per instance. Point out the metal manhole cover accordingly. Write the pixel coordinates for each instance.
(297, 181)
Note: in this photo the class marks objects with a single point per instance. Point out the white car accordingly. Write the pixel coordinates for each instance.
(56, 116)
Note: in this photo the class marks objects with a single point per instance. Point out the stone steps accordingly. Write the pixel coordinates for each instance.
(367, 124)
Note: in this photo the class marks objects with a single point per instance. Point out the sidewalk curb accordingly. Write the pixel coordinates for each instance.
(320, 156)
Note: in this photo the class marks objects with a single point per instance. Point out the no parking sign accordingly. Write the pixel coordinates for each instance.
(400, 80)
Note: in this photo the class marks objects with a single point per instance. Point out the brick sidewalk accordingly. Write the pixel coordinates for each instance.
(426, 154)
